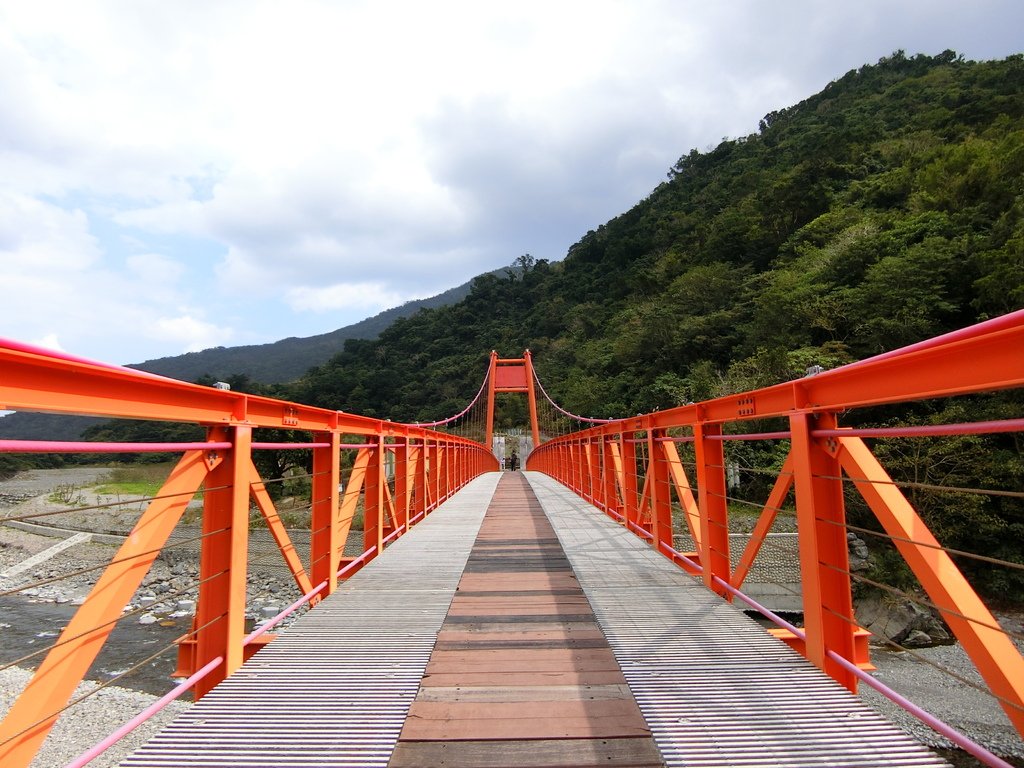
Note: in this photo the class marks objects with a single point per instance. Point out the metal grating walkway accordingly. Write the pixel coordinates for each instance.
(335, 688)
(714, 687)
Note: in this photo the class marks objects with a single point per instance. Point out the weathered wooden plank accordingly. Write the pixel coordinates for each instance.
(524, 693)
(598, 718)
(567, 753)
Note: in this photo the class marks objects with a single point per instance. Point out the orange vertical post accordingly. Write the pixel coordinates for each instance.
(714, 507)
(610, 469)
(223, 561)
(417, 469)
(324, 541)
(824, 558)
(491, 382)
(403, 483)
(589, 485)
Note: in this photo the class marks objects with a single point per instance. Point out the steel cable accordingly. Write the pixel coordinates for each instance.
(125, 615)
(105, 684)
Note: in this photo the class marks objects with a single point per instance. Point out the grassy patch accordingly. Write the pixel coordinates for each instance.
(135, 480)
(67, 493)
(138, 488)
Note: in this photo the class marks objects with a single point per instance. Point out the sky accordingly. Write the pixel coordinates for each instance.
(197, 173)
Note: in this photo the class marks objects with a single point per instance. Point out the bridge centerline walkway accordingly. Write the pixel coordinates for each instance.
(414, 630)
(522, 674)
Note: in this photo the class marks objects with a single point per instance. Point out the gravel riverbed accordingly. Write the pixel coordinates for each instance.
(162, 605)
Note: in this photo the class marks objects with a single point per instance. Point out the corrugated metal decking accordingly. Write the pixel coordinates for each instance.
(714, 687)
(335, 688)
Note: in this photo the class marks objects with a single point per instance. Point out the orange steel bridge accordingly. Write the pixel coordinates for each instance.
(587, 611)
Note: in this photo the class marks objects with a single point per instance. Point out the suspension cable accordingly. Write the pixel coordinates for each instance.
(562, 410)
(461, 413)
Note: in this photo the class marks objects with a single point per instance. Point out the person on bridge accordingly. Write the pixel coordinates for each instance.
(513, 462)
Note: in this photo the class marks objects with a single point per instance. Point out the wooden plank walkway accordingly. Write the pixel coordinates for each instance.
(539, 634)
(522, 674)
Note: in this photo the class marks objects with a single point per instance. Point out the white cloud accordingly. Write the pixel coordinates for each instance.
(371, 297)
(263, 164)
(154, 270)
(190, 333)
(49, 341)
(43, 236)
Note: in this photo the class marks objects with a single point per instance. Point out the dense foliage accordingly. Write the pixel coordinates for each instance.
(886, 209)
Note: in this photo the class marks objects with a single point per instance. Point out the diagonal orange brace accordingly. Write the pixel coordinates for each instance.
(684, 491)
(764, 523)
(350, 500)
(33, 714)
(266, 506)
(991, 650)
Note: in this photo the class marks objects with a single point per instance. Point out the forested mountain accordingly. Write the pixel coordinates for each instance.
(886, 209)
(290, 358)
(883, 210)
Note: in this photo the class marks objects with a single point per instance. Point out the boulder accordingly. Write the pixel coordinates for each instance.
(896, 620)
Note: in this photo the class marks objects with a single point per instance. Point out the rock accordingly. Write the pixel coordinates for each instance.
(917, 639)
(895, 620)
(147, 618)
(186, 606)
(860, 555)
(269, 611)
(147, 600)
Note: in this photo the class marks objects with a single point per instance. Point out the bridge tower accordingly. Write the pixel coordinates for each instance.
(511, 375)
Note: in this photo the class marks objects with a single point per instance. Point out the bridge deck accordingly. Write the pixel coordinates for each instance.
(470, 643)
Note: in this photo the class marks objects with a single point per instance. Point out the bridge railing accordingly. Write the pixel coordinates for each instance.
(673, 467)
(394, 474)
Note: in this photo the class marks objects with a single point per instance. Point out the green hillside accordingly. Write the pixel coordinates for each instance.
(886, 209)
(881, 211)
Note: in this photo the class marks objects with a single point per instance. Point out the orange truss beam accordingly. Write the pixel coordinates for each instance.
(997, 659)
(50, 688)
(433, 466)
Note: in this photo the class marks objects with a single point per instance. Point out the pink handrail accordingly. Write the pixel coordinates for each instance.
(57, 446)
(924, 716)
(91, 754)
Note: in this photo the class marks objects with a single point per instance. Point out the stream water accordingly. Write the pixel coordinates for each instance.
(27, 626)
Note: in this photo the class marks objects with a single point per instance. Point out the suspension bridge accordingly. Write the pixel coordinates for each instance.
(591, 610)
